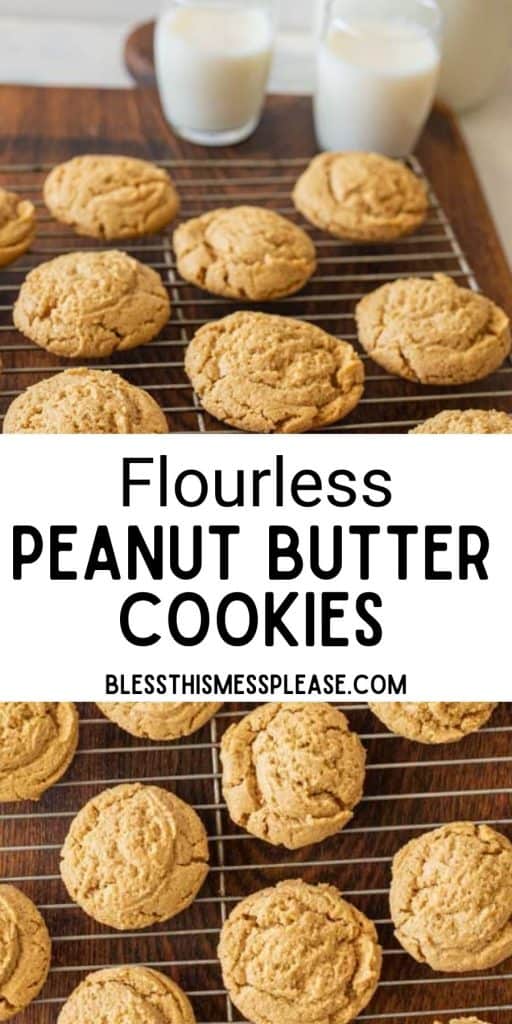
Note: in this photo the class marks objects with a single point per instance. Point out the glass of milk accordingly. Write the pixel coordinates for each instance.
(476, 48)
(378, 66)
(212, 61)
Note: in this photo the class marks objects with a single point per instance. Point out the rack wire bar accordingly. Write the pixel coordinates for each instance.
(409, 789)
(345, 273)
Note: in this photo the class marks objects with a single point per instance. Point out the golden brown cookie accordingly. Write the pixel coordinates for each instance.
(127, 995)
(433, 722)
(17, 226)
(361, 196)
(431, 331)
(451, 897)
(246, 252)
(271, 374)
(466, 421)
(160, 720)
(299, 954)
(91, 304)
(83, 401)
(134, 855)
(292, 773)
(25, 951)
(37, 744)
(463, 1020)
(111, 196)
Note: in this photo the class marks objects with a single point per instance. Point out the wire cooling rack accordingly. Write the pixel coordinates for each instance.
(409, 789)
(345, 273)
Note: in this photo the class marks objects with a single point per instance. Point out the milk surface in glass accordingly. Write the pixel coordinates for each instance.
(213, 62)
(376, 78)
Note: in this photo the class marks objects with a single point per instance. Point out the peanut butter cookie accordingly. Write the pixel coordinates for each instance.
(299, 954)
(451, 897)
(17, 226)
(37, 744)
(463, 1020)
(433, 722)
(363, 197)
(466, 421)
(83, 401)
(25, 951)
(431, 331)
(111, 196)
(292, 773)
(134, 855)
(245, 252)
(272, 374)
(91, 304)
(163, 720)
(131, 995)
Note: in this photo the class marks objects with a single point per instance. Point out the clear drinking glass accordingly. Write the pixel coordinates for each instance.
(476, 50)
(213, 61)
(377, 70)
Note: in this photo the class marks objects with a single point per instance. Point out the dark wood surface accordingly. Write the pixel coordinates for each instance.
(408, 788)
(48, 125)
(139, 55)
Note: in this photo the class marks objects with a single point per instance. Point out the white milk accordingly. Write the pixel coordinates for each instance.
(376, 81)
(476, 47)
(212, 66)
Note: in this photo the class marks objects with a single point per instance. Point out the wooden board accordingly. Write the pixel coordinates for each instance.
(408, 789)
(47, 125)
(139, 55)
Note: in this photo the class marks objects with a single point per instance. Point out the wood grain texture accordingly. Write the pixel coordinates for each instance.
(48, 125)
(409, 788)
(139, 55)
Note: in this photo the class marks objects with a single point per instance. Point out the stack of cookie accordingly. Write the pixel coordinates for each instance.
(265, 373)
(134, 855)
(253, 371)
(91, 304)
(292, 775)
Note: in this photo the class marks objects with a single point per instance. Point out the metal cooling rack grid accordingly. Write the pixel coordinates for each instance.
(409, 789)
(345, 273)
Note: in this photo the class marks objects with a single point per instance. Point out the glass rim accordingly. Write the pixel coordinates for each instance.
(167, 5)
(427, 5)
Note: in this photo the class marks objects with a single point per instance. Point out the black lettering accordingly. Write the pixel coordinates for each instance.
(57, 547)
(252, 625)
(274, 619)
(129, 481)
(347, 495)
(102, 556)
(124, 619)
(278, 551)
(224, 533)
(364, 533)
(20, 557)
(138, 546)
(329, 614)
(477, 558)
(432, 547)
(374, 637)
(384, 493)
(403, 533)
(204, 619)
(305, 481)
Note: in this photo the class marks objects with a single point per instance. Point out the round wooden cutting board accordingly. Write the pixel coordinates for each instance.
(139, 54)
